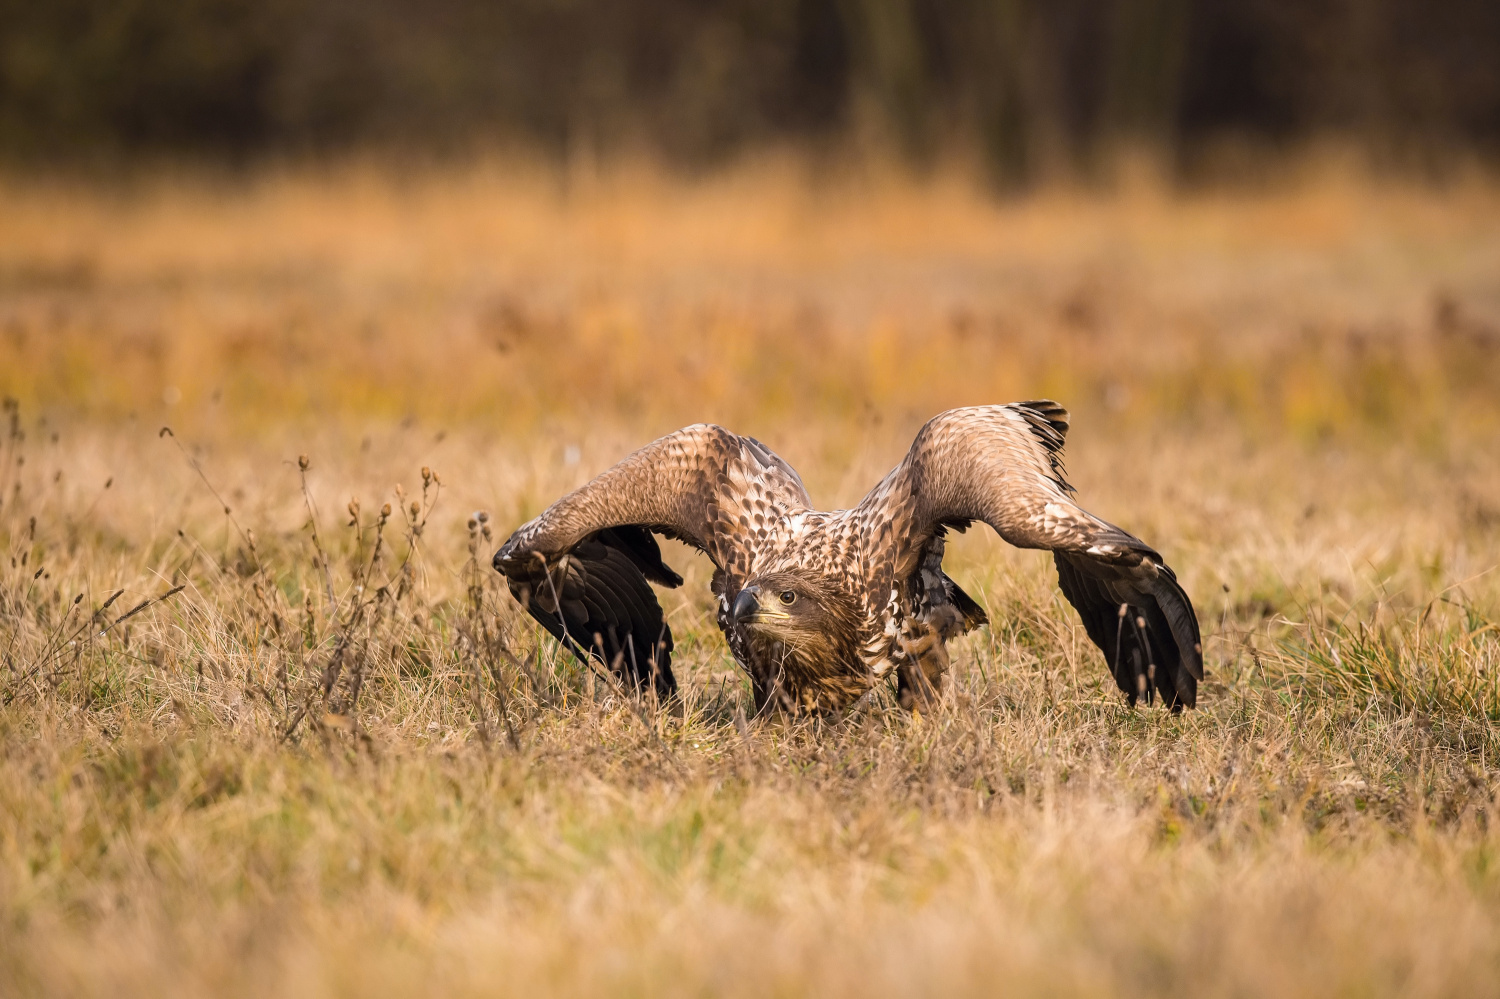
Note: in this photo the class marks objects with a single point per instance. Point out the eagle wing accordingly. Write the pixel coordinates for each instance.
(1003, 465)
(582, 567)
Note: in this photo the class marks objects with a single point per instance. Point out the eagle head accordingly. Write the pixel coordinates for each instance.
(800, 628)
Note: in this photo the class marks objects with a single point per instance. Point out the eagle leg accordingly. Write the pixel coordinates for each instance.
(919, 680)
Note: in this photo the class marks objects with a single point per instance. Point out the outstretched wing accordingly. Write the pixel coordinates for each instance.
(596, 600)
(581, 568)
(1003, 465)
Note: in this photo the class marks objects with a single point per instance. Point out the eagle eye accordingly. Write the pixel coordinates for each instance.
(788, 597)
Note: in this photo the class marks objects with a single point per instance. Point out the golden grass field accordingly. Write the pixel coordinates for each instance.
(328, 757)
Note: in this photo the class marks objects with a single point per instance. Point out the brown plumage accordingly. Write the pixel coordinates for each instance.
(817, 606)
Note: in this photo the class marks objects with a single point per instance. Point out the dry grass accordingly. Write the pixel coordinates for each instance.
(344, 765)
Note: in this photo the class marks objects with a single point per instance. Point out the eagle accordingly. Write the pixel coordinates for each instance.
(821, 607)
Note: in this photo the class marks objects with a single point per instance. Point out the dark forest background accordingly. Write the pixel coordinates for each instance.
(1027, 85)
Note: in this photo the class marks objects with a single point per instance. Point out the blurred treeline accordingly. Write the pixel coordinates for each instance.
(1027, 86)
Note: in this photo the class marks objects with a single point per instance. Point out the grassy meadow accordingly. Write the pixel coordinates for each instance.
(270, 725)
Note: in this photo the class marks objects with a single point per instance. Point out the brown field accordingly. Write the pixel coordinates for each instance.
(325, 757)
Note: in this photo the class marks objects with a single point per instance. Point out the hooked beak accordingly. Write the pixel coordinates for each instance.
(746, 605)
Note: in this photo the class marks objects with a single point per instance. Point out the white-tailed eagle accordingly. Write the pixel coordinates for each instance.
(818, 607)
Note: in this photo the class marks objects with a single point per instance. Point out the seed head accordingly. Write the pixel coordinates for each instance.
(426, 475)
(385, 512)
(416, 508)
(302, 462)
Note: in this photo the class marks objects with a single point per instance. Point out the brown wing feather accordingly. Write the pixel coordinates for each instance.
(703, 485)
(1003, 465)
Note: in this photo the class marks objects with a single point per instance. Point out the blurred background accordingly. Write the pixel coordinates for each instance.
(1029, 88)
(1279, 214)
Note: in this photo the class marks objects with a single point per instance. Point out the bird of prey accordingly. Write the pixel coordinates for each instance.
(819, 607)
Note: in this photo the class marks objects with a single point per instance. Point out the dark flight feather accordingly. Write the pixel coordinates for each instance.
(607, 609)
(1162, 656)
